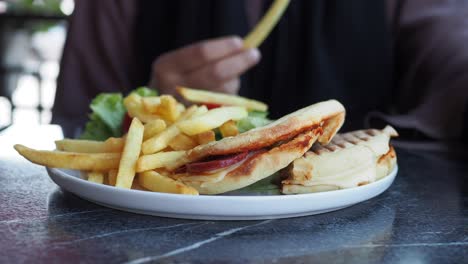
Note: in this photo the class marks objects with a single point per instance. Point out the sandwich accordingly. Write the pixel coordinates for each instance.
(350, 160)
(235, 162)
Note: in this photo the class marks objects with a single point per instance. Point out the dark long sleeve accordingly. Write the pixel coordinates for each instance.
(431, 52)
(98, 57)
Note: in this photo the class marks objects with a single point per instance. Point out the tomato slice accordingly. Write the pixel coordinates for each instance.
(226, 161)
(126, 123)
(211, 106)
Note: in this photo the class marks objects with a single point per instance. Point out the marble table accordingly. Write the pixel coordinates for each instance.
(422, 218)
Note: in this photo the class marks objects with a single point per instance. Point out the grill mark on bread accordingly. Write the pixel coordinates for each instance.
(363, 183)
(391, 154)
(343, 141)
(371, 132)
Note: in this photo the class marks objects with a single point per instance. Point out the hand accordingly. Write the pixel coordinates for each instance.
(211, 65)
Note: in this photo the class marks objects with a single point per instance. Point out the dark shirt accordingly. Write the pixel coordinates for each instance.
(428, 40)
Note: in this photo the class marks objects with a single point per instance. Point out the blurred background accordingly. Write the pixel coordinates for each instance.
(32, 35)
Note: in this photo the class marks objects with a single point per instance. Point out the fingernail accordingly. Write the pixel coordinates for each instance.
(254, 54)
(237, 42)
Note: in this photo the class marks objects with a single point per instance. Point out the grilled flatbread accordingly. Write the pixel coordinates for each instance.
(350, 160)
(329, 115)
(270, 148)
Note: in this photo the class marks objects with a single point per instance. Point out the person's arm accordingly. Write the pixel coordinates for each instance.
(432, 64)
(97, 57)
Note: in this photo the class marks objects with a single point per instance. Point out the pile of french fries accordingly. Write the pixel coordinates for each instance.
(161, 131)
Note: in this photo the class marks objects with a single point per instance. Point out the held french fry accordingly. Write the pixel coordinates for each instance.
(71, 160)
(201, 96)
(156, 182)
(158, 160)
(153, 128)
(212, 119)
(130, 154)
(90, 146)
(266, 24)
(96, 176)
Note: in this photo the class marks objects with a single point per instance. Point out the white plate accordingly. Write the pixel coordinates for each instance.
(219, 207)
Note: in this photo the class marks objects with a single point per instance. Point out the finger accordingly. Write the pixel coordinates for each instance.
(165, 81)
(214, 74)
(196, 55)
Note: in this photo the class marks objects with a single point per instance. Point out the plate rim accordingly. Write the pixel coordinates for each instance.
(218, 207)
(61, 172)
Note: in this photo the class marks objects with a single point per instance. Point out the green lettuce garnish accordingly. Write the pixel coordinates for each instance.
(268, 186)
(145, 91)
(95, 129)
(253, 120)
(107, 115)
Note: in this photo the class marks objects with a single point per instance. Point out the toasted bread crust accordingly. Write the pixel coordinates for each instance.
(329, 114)
(259, 166)
(350, 160)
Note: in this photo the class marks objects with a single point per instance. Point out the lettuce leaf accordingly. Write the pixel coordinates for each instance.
(145, 91)
(110, 109)
(108, 113)
(253, 120)
(268, 186)
(106, 118)
(96, 129)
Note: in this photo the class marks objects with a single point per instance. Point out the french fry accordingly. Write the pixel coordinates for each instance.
(168, 108)
(90, 146)
(201, 96)
(151, 104)
(158, 160)
(156, 182)
(182, 142)
(112, 177)
(180, 108)
(178, 163)
(212, 119)
(130, 154)
(165, 106)
(136, 186)
(161, 140)
(229, 129)
(205, 137)
(96, 176)
(71, 160)
(266, 24)
(153, 128)
(134, 105)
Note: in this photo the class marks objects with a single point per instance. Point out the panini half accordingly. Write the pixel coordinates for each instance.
(235, 162)
(350, 160)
